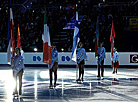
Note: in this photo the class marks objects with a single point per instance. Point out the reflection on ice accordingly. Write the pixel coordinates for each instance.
(36, 86)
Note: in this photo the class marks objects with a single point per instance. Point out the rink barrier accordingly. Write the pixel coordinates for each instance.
(125, 58)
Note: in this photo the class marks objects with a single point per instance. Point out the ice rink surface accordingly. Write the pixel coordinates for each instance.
(120, 87)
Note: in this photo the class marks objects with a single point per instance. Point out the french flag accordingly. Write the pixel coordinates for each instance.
(11, 40)
(76, 39)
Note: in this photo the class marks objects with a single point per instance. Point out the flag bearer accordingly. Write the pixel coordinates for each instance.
(53, 67)
(81, 57)
(101, 57)
(115, 62)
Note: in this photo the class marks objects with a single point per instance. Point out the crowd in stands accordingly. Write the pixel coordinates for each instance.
(59, 13)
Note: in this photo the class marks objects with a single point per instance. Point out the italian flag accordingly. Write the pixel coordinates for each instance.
(47, 55)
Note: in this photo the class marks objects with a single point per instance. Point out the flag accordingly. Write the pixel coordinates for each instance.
(76, 39)
(26, 6)
(47, 55)
(11, 40)
(97, 38)
(112, 36)
(71, 23)
(18, 38)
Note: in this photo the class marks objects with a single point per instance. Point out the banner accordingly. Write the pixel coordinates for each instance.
(133, 24)
(64, 58)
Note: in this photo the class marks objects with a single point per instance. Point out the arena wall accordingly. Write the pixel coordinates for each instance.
(125, 58)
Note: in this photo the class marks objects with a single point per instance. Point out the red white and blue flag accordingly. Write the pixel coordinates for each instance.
(11, 40)
(76, 40)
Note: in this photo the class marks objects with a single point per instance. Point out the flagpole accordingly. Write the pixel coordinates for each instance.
(97, 31)
(76, 61)
(76, 39)
(97, 47)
